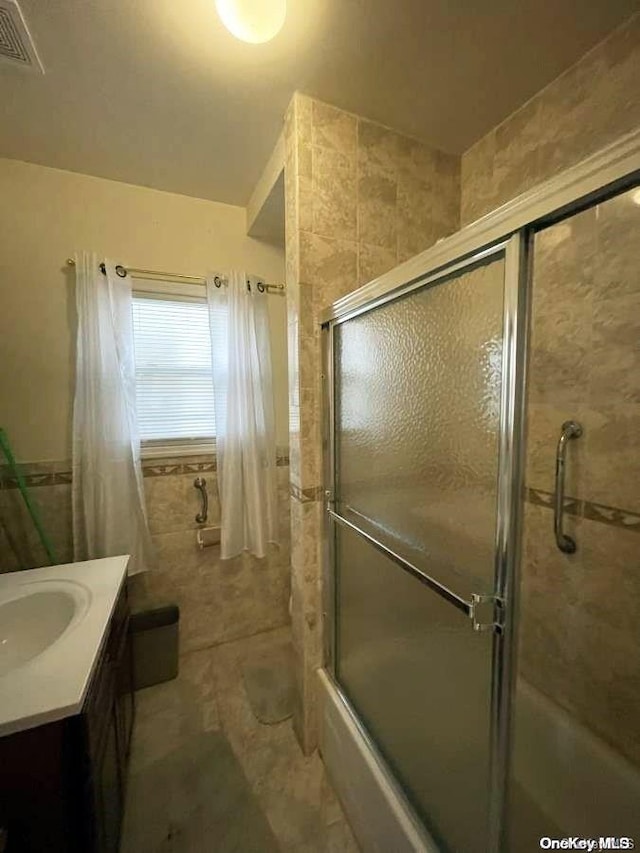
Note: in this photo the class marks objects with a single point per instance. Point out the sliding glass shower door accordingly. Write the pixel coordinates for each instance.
(575, 758)
(419, 401)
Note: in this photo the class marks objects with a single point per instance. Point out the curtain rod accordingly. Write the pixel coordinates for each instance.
(158, 275)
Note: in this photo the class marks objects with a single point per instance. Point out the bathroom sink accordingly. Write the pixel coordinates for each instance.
(35, 616)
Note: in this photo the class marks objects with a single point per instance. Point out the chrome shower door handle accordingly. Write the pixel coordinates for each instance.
(570, 429)
(201, 484)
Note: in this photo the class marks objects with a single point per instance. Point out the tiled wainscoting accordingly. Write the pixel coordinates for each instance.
(219, 600)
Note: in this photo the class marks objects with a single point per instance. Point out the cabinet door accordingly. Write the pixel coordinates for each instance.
(124, 707)
(109, 791)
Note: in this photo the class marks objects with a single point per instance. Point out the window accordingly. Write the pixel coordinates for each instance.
(174, 384)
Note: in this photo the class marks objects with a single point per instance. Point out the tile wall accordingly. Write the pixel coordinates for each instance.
(219, 600)
(589, 106)
(359, 199)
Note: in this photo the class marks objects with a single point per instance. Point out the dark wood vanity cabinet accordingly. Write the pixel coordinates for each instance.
(62, 785)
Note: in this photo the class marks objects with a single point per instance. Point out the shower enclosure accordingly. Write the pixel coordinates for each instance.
(482, 584)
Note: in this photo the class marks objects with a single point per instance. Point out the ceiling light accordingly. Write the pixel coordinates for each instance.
(255, 21)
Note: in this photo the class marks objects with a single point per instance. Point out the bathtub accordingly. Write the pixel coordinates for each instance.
(377, 810)
(569, 779)
(572, 776)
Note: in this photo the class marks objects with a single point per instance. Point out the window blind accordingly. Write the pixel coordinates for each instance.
(174, 383)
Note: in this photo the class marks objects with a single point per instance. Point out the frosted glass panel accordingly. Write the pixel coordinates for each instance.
(419, 678)
(575, 758)
(417, 423)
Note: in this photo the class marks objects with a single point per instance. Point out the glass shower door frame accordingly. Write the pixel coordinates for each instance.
(512, 226)
(485, 612)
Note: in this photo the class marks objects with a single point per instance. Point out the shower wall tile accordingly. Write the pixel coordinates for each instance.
(333, 197)
(516, 162)
(560, 361)
(173, 502)
(310, 434)
(306, 519)
(615, 372)
(589, 106)
(333, 128)
(613, 456)
(445, 195)
(578, 639)
(379, 148)
(417, 228)
(377, 200)
(478, 194)
(417, 161)
(343, 229)
(374, 261)
(615, 262)
(328, 261)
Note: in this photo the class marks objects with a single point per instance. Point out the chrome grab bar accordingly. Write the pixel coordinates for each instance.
(201, 484)
(570, 429)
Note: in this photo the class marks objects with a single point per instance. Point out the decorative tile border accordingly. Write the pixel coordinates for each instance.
(150, 468)
(52, 478)
(153, 468)
(314, 494)
(611, 515)
(572, 506)
(602, 513)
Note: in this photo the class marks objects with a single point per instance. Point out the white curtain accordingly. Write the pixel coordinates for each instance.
(109, 516)
(244, 412)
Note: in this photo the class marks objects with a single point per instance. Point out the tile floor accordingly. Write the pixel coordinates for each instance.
(207, 777)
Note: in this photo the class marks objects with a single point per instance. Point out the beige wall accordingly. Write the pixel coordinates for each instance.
(359, 198)
(593, 103)
(45, 215)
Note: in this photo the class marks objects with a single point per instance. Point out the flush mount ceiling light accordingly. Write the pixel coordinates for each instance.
(255, 21)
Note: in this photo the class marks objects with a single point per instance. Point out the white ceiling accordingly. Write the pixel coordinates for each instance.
(157, 92)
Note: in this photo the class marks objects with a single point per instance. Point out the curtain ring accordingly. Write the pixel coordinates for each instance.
(248, 286)
(121, 271)
(217, 281)
(261, 287)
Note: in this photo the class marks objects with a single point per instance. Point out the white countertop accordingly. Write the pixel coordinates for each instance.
(53, 684)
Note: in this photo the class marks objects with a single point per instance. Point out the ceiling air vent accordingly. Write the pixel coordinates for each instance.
(16, 44)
